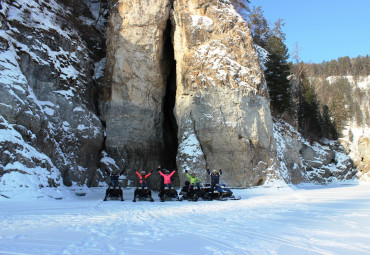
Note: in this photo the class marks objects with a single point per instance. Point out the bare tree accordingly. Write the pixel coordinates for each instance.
(299, 68)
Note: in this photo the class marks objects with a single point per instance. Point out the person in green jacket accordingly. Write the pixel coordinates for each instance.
(194, 181)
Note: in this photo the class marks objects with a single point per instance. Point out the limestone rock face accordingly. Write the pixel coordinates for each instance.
(363, 163)
(359, 150)
(136, 74)
(49, 127)
(180, 75)
(221, 90)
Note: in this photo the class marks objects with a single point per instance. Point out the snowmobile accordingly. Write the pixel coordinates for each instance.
(143, 193)
(114, 190)
(190, 192)
(167, 194)
(220, 192)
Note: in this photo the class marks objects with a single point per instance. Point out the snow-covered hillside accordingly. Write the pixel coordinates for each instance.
(355, 129)
(275, 220)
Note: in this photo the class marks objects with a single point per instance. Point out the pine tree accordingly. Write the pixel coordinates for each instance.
(340, 104)
(328, 127)
(310, 119)
(277, 66)
(277, 72)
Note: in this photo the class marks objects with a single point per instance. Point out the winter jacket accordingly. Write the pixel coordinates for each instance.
(215, 178)
(142, 177)
(167, 177)
(193, 180)
(114, 177)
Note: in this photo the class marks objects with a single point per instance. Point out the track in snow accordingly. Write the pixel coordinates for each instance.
(314, 220)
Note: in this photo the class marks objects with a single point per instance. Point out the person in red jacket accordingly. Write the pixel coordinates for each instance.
(143, 184)
(142, 178)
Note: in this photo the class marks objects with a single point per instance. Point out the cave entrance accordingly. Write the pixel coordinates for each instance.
(169, 121)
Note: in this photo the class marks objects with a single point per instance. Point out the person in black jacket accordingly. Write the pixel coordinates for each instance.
(114, 176)
(162, 180)
(215, 178)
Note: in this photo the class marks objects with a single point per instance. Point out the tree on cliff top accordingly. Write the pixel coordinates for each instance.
(277, 67)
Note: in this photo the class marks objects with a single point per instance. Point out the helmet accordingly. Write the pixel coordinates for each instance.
(142, 172)
(215, 171)
(166, 171)
(115, 171)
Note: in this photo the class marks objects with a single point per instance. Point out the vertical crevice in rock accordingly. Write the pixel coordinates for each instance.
(169, 121)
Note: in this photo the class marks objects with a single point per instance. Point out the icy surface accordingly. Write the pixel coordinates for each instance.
(276, 220)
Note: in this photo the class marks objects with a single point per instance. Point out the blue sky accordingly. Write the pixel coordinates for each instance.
(324, 29)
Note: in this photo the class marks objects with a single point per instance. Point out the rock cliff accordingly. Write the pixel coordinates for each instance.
(50, 131)
(136, 73)
(183, 69)
(221, 92)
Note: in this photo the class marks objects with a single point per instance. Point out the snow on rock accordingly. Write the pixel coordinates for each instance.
(46, 64)
(190, 156)
(363, 82)
(202, 22)
(262, 56)
(23, 166)
(300, 161)
(215, 56)
(289, 164)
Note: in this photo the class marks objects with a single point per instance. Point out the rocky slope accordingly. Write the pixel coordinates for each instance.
(354, 136)
(48, 54)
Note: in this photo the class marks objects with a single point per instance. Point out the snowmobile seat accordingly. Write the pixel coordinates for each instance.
(143, 193)
(168, 193)
(189, 192)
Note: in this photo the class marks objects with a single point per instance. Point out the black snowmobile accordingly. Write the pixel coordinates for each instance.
(220, 192)
(190, 192)
(114, 190)
(143, 193)
(167, 194)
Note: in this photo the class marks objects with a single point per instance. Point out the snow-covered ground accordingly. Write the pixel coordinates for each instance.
(304, 219)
